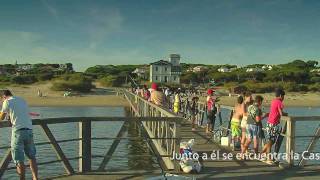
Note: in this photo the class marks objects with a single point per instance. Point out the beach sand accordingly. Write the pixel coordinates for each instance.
(291, 99)
(99, 97)
(106, 97)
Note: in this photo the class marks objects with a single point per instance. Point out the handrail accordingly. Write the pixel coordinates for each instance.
(287, 121)
(85, 139)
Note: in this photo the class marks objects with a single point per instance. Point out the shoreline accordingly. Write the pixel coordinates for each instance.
(101, 97)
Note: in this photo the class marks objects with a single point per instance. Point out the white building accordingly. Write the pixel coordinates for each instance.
(256, 69)
(25, 67)
(224, 69)
(166, 71)
(267, 67)
(199, 69)
(141, 72)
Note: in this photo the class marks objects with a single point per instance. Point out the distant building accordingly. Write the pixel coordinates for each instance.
(141, 72)
(224, 69)
(256, 69)
(199, 69)
(166, 71)
(24, 67)
(267, 67)
(63, 66)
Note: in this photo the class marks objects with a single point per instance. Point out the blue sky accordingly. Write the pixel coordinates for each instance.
(91, 32)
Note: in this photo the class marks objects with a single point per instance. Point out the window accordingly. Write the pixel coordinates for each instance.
(174, 77)
(156, 78)
(156, 68)
(165, 79)
(165, 69)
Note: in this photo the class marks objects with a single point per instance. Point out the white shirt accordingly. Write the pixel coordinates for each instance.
(18, 111)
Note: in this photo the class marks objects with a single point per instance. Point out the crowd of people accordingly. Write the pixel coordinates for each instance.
(246, 123)
(182, 102)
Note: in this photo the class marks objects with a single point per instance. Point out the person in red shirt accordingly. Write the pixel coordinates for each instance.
(273, 124)
(211, 111)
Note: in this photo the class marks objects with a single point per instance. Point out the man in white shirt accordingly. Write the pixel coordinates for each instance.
(16, 109)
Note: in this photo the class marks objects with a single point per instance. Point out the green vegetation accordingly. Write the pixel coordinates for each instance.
(294, 76)
(73, 82)
(28, 74)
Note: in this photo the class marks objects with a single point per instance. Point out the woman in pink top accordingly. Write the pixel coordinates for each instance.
(273, 124)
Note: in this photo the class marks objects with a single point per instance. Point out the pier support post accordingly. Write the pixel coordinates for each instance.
(290, 142)
(85, 146)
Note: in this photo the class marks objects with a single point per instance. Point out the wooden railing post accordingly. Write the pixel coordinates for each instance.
(85, 146)
(177, 145)
(290, 142)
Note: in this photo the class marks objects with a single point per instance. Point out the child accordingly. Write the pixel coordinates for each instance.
(253, 129)
(236, 120)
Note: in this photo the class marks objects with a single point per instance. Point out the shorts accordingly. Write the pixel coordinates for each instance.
(252, 131)
(235, 128)
(211, 117)
(22, 143)
(273, 132)
(244, 122)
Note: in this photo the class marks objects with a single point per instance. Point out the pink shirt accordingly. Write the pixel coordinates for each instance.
(274, 115)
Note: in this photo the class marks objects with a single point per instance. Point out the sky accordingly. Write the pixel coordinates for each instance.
(100, 32)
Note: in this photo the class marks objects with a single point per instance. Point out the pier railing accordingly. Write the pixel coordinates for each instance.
(165, 133)
(166, 138)
(288, 123)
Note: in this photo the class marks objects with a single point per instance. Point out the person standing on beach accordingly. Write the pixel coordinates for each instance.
(157, 96)
(273, 124)
(22, 136)
(253, 129)
(247, 102)
(236, 121)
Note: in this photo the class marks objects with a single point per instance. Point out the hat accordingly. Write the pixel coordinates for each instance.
(210, 91)
(154, 86)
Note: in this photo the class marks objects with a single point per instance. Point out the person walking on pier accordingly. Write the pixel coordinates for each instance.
(177, 102)
(194, 111)
(236, 121)
(247, 102)
(16, 109)
(253, 129)
(273, 124)
(211, 111)
(157, 97)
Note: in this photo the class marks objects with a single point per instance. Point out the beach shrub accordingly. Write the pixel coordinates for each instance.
(24, 79)
(4, 78)
(112, 81)
(45, 77)
(314, 87)
(74, 82)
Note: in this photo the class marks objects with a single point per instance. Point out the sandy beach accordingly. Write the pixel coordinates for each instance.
(99, 97)
(107, 97)
(291, 99)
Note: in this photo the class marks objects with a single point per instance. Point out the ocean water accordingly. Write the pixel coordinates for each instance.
(123, 159)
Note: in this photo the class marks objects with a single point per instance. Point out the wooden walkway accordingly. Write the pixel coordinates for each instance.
(216, 169)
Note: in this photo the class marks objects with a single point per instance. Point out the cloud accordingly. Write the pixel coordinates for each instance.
(102, 23)
(52, 10)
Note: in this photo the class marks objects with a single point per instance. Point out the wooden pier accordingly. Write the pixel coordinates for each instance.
(164, 132)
